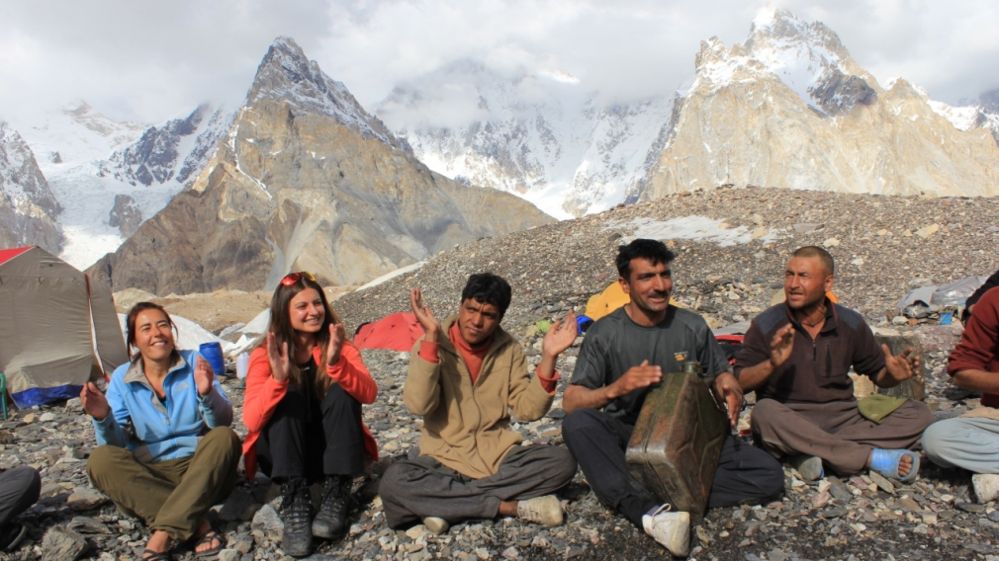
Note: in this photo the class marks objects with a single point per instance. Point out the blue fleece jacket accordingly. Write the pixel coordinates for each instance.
(157, 430)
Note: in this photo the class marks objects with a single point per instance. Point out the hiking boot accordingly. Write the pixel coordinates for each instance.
(546, 510)
(810, 467)
(296, 510)
(670, 529)
(331, 520)
(11, 536)
(436, 525)
(986, 486)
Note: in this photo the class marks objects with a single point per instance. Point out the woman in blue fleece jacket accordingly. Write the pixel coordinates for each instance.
(166, 453)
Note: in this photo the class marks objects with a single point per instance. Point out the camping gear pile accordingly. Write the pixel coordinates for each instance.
(936, 303)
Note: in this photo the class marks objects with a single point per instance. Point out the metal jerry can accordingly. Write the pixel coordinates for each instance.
(677, 439)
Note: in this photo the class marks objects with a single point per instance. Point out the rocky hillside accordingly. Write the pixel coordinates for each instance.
(731, 247)
(305, 179)
(28, 209)
(791, 108)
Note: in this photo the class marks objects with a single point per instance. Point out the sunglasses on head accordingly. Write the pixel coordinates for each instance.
(292, 278)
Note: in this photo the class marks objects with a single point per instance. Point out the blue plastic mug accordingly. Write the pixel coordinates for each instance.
(212, 352)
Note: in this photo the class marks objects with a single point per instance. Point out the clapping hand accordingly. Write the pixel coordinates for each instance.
(337, 337)
(637, 377)
(277, 355)
(424, 315)
(93, 401)
(781, 345)
(560, 336)
(203, 375)
(900, 367)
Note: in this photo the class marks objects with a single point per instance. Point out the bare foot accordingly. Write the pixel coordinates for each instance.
(904, 465)
(159, 542)
(206, 539)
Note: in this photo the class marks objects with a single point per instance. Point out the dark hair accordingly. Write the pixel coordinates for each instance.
(816, 251)
(488, 288)
(280, 324)
(653, 250)
(133, 314)
(991, 282)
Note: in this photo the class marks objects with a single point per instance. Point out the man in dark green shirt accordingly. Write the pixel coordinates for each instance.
(624, 354)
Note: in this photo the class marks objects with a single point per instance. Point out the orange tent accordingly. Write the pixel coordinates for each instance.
(398, 332)
(612, 298)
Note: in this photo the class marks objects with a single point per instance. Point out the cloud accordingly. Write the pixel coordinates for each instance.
(155, 61)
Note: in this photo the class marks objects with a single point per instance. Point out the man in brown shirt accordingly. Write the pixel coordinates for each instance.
(797, 355)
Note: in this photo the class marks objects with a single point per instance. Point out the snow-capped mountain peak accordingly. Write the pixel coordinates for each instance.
(173, 151)
(28, 209)
(539, 133)
(807, 57)
(286, 74)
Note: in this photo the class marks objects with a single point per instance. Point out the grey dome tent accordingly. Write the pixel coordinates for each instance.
(57, 329)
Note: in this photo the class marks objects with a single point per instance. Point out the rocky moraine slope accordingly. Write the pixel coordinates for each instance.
(731, 245)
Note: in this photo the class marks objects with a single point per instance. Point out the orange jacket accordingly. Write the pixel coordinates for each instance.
(263, 393)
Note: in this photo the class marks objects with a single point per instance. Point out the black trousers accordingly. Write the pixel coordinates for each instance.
(745, 474)
(309, 438)
(19, 489)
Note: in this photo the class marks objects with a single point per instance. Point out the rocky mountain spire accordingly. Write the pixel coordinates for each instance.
(286, 74)
(28, 209)
(305, 179)
(790, 108)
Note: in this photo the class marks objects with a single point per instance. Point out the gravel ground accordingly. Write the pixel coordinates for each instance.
(883, 246)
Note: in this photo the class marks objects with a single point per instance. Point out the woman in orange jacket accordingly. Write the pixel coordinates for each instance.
(302, 408)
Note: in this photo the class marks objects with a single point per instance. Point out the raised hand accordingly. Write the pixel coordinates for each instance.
(277, 355)
(781, 345)
(637, 377)
(424, 315)
(337, 337)
(93, 401)
(900, 367)
(203, 375)
(560, 336)
(728, 390)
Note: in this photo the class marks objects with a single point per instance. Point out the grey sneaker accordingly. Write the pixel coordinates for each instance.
(435, 525)
(986, 486)
(546, 510)
(810, 467)
(670, 529)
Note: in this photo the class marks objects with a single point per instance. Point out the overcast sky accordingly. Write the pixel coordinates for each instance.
(151, 61)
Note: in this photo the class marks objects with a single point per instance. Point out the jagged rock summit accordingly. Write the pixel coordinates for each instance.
(305, 179)
(175, 150)
(791, 108)
(28, 209)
